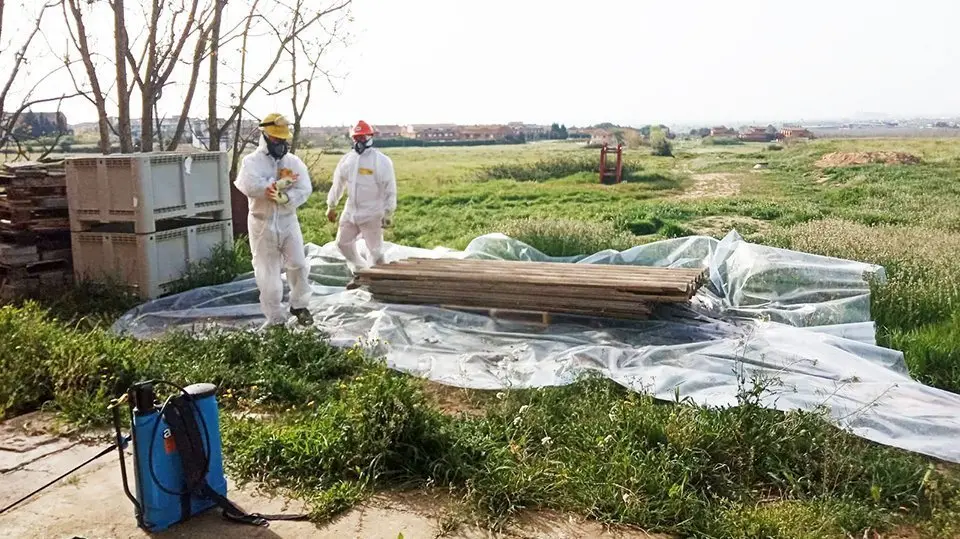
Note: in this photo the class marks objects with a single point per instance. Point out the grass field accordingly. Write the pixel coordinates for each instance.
(340, 425)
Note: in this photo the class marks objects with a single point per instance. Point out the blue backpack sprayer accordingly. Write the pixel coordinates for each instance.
(177, 457)
(178, 462)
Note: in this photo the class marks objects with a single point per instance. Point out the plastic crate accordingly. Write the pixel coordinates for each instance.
(146, 188)
(147, 263)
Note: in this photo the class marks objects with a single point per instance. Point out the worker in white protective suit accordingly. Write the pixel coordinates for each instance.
(366, 176)
(276, 182)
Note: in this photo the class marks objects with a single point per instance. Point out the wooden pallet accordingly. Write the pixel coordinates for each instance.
(35, 219)
(35, 268)
(44, 283)
(575, 289)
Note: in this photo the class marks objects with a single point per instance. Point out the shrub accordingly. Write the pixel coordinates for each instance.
(660, 145)
(567, 238)
(722, 141)
(222, 266)
(542, 170)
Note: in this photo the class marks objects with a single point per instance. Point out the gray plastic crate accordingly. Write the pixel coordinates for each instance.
(147, 263)
(146, 188)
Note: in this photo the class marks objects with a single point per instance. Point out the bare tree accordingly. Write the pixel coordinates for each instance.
(121, 46)
(96, 95)
(307, 19)
(10, 119)
(213, 124)
(305, 54)
(160, 55)
(259, 12)
(205, 28)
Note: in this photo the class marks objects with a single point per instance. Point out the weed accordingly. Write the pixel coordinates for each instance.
(918, 309)
(567, 238)
(335, 425)
(223, 265)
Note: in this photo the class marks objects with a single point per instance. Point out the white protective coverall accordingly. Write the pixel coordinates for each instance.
(275, 238)
(371, 187)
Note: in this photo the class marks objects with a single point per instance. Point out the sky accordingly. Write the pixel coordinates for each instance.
(630, 62)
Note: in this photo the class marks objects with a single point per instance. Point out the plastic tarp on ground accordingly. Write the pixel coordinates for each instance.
(799, 321)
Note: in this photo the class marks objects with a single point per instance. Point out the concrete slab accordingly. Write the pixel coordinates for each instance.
(90, 504)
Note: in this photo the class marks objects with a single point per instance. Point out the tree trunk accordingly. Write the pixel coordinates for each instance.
(191, 89)
(149, 91)
(98, 96)
(213, 125)
(123, 96)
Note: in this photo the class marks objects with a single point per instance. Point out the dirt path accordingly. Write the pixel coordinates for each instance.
(712, 185)
(91, 504)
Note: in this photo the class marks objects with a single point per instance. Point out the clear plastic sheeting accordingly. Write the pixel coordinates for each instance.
(797, 321)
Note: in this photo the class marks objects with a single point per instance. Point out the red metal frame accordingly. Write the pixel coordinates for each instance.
(617, 172)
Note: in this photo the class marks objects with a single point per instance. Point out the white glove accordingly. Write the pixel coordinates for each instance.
(276, 195)
(285, 183)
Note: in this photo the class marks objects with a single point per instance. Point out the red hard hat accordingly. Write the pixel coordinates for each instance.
(362, 129)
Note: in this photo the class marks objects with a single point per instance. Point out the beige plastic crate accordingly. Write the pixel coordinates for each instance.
(146, 188)
(147, 263)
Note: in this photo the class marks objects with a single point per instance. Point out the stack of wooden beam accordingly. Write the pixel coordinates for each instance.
(596, 290)
(35, 251)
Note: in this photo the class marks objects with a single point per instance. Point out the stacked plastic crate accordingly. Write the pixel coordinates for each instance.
(141, 220)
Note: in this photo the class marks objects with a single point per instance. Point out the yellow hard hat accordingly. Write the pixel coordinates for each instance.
(276, 126)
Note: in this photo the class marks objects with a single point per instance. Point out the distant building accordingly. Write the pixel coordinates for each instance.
(485, 132)
(723, 131)
(388, 131)
(757, 134)
(530, 131)
(39, 124)
(795, 133)
(432, 132)
(600, 137)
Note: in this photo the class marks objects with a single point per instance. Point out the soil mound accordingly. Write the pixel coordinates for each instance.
(847, 159)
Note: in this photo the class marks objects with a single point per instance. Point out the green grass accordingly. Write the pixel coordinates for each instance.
(335, 425)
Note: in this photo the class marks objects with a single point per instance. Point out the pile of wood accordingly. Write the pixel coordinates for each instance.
(578, 289)
(34, 229)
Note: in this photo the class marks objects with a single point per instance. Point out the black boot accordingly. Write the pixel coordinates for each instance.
(304, 318)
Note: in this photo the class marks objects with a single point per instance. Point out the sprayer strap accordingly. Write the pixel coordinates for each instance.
(233, 513)
(195, 460)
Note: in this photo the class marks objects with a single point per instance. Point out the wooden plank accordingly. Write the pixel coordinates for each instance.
(34, 203)
(18, 255)
(508, 301)
(56, 254)
(37, 182)
(617, 269)
(573, 310)
(43, 226)
(494, 276)
(33, 269)
(660, 275)
(598, 290)
(522, 289)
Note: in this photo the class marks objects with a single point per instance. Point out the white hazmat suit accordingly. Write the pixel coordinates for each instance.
(371, 187)
(276, 240)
